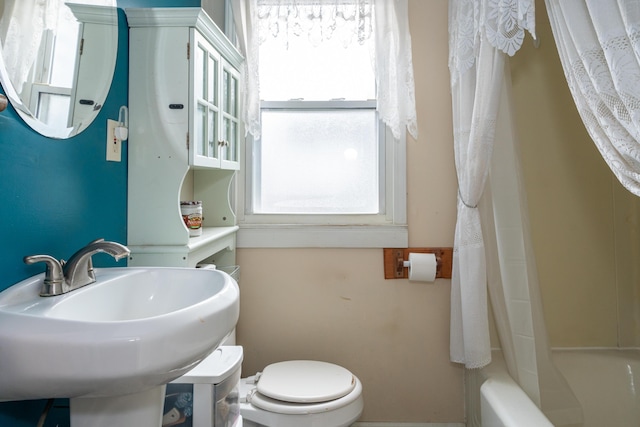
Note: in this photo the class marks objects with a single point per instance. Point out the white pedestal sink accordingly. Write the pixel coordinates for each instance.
(112, 346)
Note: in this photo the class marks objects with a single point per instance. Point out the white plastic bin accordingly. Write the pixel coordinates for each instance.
(207, 396)
(232, 270)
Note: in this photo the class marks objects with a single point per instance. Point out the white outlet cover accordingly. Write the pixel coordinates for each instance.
(114, 145)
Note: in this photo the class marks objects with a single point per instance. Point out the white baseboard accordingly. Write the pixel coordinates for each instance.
(369, 424)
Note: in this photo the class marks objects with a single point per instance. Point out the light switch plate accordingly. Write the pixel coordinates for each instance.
(114, 145)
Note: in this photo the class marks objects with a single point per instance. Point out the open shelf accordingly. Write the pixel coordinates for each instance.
(213, 240)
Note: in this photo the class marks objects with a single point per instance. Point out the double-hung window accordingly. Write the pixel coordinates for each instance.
(324, 170)
(50, 90)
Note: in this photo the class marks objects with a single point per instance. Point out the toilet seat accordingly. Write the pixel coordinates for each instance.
(304, 387)
(305, 381)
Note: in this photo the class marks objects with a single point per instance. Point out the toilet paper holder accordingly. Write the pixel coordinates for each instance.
(394, 259)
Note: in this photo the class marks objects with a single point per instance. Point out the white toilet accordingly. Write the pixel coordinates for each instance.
(298, 393)
(301, 393)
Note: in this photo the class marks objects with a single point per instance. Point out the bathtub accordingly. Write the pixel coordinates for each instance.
(605, 382)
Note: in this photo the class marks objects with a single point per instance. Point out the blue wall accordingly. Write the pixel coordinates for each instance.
(58, 195)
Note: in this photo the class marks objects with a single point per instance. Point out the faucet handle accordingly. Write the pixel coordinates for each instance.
(53, 276)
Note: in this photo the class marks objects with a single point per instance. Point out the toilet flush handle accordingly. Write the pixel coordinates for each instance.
(250, 395)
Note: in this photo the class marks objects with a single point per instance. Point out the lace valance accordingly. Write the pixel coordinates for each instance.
(387, 22)
(503, 22)
(348, 20)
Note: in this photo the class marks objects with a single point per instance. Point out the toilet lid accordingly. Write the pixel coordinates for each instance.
(305, 381)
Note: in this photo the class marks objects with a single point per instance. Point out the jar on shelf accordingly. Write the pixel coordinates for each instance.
(192, 216)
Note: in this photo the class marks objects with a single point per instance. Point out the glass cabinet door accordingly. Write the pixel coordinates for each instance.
(216, 108)
(204, 147)
(230, 131)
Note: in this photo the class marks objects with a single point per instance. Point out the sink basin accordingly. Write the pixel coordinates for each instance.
(132, 330)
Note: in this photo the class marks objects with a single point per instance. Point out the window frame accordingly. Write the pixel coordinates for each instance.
(38, 90)
(386, 229)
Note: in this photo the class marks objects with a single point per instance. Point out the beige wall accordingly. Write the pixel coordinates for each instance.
(335, 305)
(584, 224)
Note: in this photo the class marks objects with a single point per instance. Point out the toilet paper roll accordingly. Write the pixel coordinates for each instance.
(422, 267)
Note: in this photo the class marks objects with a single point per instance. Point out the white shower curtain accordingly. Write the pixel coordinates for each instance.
(486, 153)
(514, 289)
(481, 33)
(599, 46)
(474, 116)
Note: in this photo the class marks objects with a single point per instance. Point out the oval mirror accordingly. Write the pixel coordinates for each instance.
(57, 60)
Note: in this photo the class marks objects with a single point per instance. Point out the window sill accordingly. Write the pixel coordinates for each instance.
(322, 236)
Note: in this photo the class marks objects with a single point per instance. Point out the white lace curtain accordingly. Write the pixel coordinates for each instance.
(22, 24)
(599, 46)
(350, 20)
(481, 33)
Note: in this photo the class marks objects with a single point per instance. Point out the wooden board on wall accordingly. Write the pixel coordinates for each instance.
(394, 257)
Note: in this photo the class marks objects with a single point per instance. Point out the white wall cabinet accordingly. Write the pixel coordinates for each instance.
(95, 61)
(215, 104)
(184, 129)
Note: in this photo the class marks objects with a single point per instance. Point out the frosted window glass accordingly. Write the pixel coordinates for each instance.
(317, 161)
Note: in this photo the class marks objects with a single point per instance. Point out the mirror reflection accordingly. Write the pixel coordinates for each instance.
(57, 60)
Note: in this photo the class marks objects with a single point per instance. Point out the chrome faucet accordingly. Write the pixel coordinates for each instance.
(53, 276)
(62, 277)
(78, 271)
